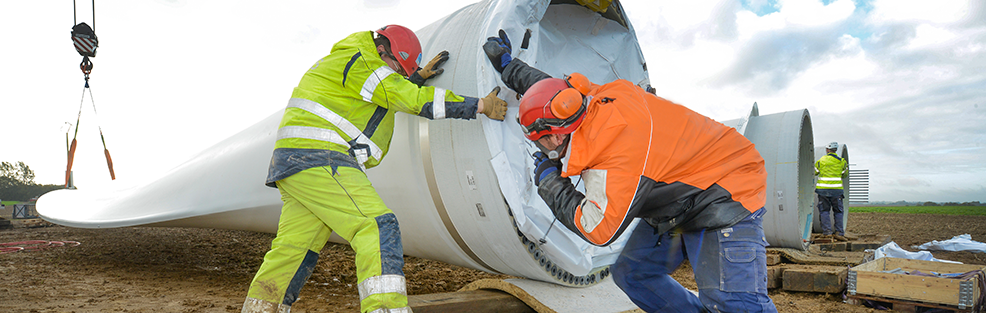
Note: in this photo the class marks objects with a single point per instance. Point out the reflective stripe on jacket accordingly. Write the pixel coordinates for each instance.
(644, 156)
(346, 102)
(830, 169)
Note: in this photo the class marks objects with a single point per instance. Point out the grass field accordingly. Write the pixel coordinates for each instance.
(950, 210)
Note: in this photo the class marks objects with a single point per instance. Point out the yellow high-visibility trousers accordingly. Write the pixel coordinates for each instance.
(316, 203)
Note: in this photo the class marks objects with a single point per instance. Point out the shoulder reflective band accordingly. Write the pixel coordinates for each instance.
(382, 284)
(438, 104)
(371, 82)
(314, 133)
(343, 124)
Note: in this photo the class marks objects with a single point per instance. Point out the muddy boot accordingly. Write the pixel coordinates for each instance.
(839, 238)
(254, 305)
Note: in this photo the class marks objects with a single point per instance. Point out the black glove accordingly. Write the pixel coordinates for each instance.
(498, 50)
(544, 166)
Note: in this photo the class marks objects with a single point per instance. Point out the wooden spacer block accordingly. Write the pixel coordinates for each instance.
(479, 301)
(815, 278)
(773, 259)
(775, 277)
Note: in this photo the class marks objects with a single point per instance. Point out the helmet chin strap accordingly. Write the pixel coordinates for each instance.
(557, 153)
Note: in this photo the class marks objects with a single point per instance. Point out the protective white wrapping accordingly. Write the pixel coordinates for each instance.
(563, 39)
(961, 242)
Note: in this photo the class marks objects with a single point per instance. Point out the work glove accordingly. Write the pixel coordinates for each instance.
(498, 50)
(430, 70)
(543, 165)
(493, 107)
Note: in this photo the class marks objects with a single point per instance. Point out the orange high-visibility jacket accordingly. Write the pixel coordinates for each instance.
(643, 156)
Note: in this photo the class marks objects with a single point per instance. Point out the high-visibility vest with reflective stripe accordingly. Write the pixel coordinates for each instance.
(830, 169)
(347, 100)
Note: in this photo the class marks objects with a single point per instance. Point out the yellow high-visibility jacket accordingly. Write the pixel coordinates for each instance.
(830, 169)
(346, 103)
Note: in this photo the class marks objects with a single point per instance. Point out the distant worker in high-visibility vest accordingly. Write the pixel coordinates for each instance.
(831, 169)
(698, 185)
(339, 121)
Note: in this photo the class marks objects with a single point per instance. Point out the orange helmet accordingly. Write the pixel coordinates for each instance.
(551, 106)
(404, 45)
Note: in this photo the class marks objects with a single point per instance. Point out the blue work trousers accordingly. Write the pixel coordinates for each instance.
(729, 265)
(834, 204)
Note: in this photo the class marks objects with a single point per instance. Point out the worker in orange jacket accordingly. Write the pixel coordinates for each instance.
(698, 184)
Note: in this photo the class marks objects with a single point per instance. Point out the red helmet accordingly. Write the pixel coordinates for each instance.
(551, 106)
(404, 45)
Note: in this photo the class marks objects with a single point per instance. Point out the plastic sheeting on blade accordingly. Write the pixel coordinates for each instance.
(561, 39)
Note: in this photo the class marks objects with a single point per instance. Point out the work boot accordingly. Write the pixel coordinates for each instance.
(254, 305)
(840, 238)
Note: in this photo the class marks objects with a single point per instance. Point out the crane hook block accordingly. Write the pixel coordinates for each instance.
(86, 66)
(85, 40)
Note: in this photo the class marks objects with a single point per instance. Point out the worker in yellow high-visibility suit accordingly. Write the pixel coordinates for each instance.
(830, 170)
(340, 120)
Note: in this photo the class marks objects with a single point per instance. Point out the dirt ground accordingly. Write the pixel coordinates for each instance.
(143, 269)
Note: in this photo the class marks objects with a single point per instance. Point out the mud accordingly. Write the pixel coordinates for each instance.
(145, 269)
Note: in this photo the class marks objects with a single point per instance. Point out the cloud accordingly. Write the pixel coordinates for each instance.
(944, 122)
(925, 193)
(905, 90)
(885, 11)
(683, 24)
(770, 61)
(172, 3)
(930, 144)
(909, 181)
(381, 3)
(776, 48)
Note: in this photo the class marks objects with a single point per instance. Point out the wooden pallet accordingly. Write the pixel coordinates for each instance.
(903, 305)
(480, 301)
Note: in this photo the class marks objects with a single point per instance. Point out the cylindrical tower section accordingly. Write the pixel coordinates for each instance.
(475, 191)
(784, 140)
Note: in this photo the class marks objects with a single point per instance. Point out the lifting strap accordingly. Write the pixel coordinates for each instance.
(71, 151)
(85, 41)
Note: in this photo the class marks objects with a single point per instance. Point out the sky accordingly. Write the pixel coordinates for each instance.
(902, 83)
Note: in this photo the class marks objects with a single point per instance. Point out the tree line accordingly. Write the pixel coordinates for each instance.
(932, 203)
(973, 203)
(17, 183)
